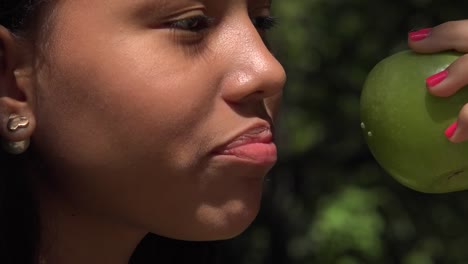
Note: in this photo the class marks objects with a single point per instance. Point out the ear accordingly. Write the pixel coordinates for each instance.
(16, 86)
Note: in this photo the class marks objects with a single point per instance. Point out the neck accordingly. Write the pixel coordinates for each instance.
(71, 236)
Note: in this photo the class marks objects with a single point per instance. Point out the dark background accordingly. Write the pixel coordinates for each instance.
(327, 201)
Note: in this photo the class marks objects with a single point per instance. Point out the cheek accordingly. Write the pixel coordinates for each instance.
(121, 101)
(120, 121)
(133, 118)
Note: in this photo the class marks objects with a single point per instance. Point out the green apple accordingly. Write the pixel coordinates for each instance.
(404, 124)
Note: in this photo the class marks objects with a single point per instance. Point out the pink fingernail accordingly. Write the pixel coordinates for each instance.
(420, 34)
(451, 130)
(436, 78)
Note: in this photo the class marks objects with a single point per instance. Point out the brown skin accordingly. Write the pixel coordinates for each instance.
(450, 35)
(128, 113)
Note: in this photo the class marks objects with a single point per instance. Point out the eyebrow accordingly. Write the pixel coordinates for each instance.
(147, 8)
(148, 4)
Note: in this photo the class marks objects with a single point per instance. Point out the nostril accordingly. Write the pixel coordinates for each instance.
(248, 98)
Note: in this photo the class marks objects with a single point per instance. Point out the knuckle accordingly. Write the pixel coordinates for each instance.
(454, 26)
(462, 135)
(460, 65)
(458, 71)
(463, 59)
(463, 116)
(455, 33)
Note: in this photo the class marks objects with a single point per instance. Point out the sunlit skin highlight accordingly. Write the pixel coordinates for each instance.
(130, 112)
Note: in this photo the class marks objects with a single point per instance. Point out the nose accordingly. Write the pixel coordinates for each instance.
(253, 73)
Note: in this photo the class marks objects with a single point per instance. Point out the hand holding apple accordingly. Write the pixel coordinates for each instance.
(451, 35)
(404, 124)
(411, 99)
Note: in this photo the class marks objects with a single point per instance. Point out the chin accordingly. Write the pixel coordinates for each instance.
(220, 212)
(231, 222)
(231, 216)
(221, 222)
(213, 223)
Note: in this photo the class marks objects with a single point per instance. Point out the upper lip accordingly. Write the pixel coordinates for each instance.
(260, 132)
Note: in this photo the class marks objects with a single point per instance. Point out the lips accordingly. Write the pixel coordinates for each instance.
(254, 146)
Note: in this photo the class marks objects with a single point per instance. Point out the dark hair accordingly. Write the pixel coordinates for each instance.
(14, 15)
(19, 209)
(19, 213)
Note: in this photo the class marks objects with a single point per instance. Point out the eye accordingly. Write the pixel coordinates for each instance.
(192, 24)
(264, 23)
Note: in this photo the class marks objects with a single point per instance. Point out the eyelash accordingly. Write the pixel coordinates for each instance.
(192, 24)
(198, 24)
(265, 23)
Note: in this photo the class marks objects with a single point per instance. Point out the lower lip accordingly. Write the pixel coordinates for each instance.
(255, 153)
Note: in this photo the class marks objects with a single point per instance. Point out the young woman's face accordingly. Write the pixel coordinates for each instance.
(138, 102)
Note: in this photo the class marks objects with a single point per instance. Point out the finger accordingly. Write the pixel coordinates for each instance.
(458, 131)
(451, 35)
(450, 80)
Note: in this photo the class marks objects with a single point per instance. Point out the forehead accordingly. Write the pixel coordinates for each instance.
(101, 10)
(161, 3)
(164, 3)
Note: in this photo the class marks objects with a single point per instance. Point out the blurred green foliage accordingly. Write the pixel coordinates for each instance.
(327, 201)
